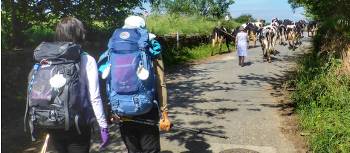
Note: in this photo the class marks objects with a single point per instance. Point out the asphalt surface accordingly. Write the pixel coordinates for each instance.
(220, 97)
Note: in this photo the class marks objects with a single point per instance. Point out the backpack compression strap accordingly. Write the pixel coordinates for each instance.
(31, 127)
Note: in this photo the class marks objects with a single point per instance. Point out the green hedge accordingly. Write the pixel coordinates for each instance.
(323, 102)
(187, 54)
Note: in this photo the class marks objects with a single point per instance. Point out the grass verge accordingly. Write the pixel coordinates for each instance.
(183, 55)
(323, 102)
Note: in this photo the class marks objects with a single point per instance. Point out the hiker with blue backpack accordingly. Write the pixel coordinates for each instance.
(63, 91)
(134, 73)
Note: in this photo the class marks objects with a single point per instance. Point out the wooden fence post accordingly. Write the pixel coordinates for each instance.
(177, 40)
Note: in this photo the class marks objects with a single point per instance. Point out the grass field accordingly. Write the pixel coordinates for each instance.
(170, 24)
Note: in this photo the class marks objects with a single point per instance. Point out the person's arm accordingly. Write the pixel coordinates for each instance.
(164, 123)
(247, 38)
(236, 38)
(94, 91)
(161, 85)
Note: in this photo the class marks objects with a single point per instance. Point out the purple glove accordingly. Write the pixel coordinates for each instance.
(104, 138)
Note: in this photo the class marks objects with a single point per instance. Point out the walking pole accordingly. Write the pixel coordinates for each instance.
(43, 150)
(124, 119)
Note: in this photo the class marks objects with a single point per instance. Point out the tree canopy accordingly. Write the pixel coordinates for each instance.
(19, 15)
(332, 14)
(209, 8)
(245, 18)
(333, 18)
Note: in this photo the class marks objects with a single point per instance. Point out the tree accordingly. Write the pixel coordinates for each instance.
(19, 15)
(220, 7)
(213, 8)
(245, 18)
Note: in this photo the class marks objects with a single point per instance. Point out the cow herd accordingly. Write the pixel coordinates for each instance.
(284, 32)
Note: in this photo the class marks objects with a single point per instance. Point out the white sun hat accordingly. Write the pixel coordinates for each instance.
(134, 22)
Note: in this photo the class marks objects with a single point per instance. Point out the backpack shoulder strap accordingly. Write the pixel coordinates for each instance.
(143, 41)
(103, 61)
(103, 57)
(26, 120)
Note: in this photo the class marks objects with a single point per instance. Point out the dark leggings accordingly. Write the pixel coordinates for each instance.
(70, 141)
(140, 138)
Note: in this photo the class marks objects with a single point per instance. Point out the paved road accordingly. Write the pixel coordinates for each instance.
(220, 97)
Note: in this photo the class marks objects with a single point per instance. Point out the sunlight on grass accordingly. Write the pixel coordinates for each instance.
(190, 25)
(323, 103)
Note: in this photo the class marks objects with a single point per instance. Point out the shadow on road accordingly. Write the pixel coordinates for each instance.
(187, 94)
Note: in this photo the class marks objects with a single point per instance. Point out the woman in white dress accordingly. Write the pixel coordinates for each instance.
(242, 45)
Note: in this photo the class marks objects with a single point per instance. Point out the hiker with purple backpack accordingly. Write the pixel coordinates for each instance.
(134, 73)
(63, 91)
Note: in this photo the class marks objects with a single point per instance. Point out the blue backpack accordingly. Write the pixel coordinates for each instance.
(127, 54)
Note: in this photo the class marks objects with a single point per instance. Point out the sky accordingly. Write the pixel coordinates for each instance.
(260, 9)
(266, 9)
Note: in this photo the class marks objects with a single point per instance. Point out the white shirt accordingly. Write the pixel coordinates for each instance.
(88, 68)
(242, 38)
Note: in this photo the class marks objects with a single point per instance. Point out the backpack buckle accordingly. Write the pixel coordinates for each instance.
(61, 71)
(52, 116)
(32, 117)
(136, 100)
(69, 72)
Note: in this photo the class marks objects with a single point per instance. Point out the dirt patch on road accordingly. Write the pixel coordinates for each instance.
(290, 122)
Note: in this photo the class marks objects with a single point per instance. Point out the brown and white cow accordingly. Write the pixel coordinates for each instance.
(292, 36)
(311, 28)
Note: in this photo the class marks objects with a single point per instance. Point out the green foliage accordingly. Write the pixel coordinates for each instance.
(323, 102)
(189, 25)
(6, 30)
(245, 18)
(19, 17)
(323, 95)
(324, 11)
(38, 34)
(231, 24)
(183, 55)
(208, 8)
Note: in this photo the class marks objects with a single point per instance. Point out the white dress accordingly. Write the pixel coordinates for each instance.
(242, 44)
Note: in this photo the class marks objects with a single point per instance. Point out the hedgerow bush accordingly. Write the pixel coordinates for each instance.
(323, 102)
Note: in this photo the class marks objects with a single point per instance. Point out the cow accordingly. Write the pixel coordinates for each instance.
(282, 34)
(259, 23)
(234, 33)
(311, 28)
(301, 24)
(299, 28)
(280, 29)
(274, 22)
(287, 22)
(292, 36)
(252, 31)
(268, 38)
(219, 35)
